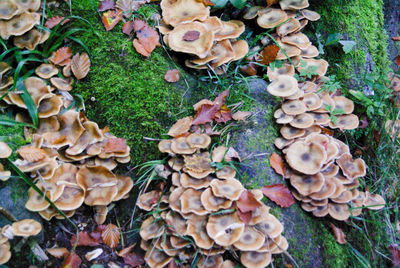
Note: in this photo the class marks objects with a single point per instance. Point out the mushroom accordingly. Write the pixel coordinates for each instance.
(225, 229)
(302, 121)
(290, 26)
(373, 201)
(50, 106)
(349, 121)
(213, 23)
(197, 229)
(339, 212)
(29, 40)
(271, 17)
(213, 203)
(312, 101)
(26, 228)
(309, 52)
(147, 201)
(124, 186)
(287, 51)
(156, 258)
(177, 223)
(230, 30)
(345, 197)
(310, 15)
(290, 133)
(191, 202)
(327, 190)
(8, 10)
(283, 86)
(320, 119)
(306, 158)
(254, 259)
(307, 185)
(270, 227)
(293, 4)
(226, 172)
(222, 52)
(188, 182)
(320, 211)
(181, 12)
(181, 146)
(198, 165)
(210, 261)
(293, 107)
(5, 253)
(240, 49)
(72, 197)
(345, 105)
(5, 150)
(46, 71)
(61, 84)
(299, 40)
(230, 188)
(282, 118)
(151, 228)
(201, 141)
(251, 13)
(4, 174)
(18, 25)
(91, 135)
(320, 66)
(286, 69)
(281, 143)
(250, 240)
(352, 168)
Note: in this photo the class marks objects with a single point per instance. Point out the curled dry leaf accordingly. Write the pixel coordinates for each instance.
(249, 69)
(106, 5)
(147, 38)
(269, 54)
(129, 6)
(206, 114)
(127, 28)
(116, 145)
(277, 164)
(61, 55)
(191, 36)
(340, 237)
(181, 126)
(111, 235)
(241, 115)
(53, 21)
(133, 259)
(86, 239)
(245, 217)
(111, 18)
(172, 76)
(247, 202)
(80, 65)
(280, 194)
(126, 250)
(396, 38)
(57, 252)
(71, 260)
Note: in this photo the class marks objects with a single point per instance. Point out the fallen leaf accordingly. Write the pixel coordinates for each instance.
(57, 252)
(111, 235)
(223, 115)
(396, 38)
(232, 154)
(116, 145)
(249, 69)
(53, 21)
(147, 38)
(31, 154)
(191, 36)
(106, 5)
(61, 55)
(172, 76)
(198, 105)
(272, 2)
(280, 194)
(397, 60)
(126, 250)
(340, 237)
(395, 255)
(181, 126)
(205, 114)
(111, 18)
(85, 240)
(80, 65)
(245, 217)
(127, 28)
(247, 202)
(277, 164)
(71, 260)
(240, 115)
(133, 259)
(128, 6)
(220, 99)
(269, 54)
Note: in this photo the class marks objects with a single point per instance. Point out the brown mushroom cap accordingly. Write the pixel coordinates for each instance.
(198, 165)
(320, 211)
(290, 133)
(293, 4)
(26, 228)
(330, 171)
(282, 118)
(4, 174)
(48, 213)
(191, 202)
(29, 40)
(312, 101)
(240, 49)
(210, 261)
(46, 71)
(352, 168)
(5, 150)
(8, 9)
(309, 52)
(174, 199)
(320, 66)
(225, 229)
(327, 190)
(72, 198)
(270, 227)
(201, 141)
(124, 186)
(230, 188)
(197, 229)
(302, 121)
(259, 215)
(36, 202)
(227, 172)
(320, 119)
(299, 40)
(188, 182)
(254, 259)
(176, 163)
(293, 107)
(177, 223)
(286, 69)
(344, 104)
(222, 53)
(147, 201)
(310, 15)
(270, 17)
(91, 135)
(281, 143)
(181, 146)
(157, 258)
(61, 84)
(199, 47)
(307, 185)
(50, 106)
(230, 30)
(5, 253)
(212, 203)
(286, 51)
(251, 239)
(213, 23)
(36, 87)
(306, 158)
(373, 201)
(151, 228)
(349, 121)
(339, 212)
(283, 86)
(290, 26)
(18, 25)
(251, 13)
(180, 12)
(345, 197)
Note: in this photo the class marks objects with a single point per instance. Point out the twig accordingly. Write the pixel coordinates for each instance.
(7, 214)
(151, 139)
(251, 155)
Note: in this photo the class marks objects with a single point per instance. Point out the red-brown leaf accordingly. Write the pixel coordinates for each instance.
(397, 60)
(396, 38)
(127, 28)
(249, 69)
(223, 115)
(172, 76)
(245, 217)
(133, 259)
(123, 252)
(280, 194)
(206, 114)
(269, 54)
(61, 55)
(191, 36)
(71, 261)
(111, 235)
(80, 65)
(85, 240)
(220, 99)
(128, 6)
(395, 255)
(53, 21)
(247, 202)
(147, 38)
(272, 2)
(340, 237)
(111, 18)
(116, 145)
(277, 163)
(106, 5)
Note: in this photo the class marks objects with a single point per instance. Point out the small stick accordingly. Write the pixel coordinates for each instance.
(7, 214)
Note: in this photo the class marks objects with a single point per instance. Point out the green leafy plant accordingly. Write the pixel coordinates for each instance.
(330, 85)
(335, 39)
(333, 113)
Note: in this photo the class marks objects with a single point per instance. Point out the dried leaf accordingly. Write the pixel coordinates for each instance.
(106, 5)
(396, 38)
(277, 164)
(340, 237)
(57, 252)
(85, 240)
(249, 69)
(181, 126)
(172, 76)
(53, 21)
(133, 259)
(147, 38)
(198, 105)
(61, 55)
(220, 99)
(272, 2)
(395, 255)
(71, 261)
(127, 28)
(111, 235)
(191, 36)
(126, 250)
(80, 65)
(223, 115)
(31, 154)
(245, 217)
(206, 114)
(247, 202)
(397, 60)
(111, 18)
(269, 54)
(116, 145)
(280, 194)
(128, 6)
(232, 154)
(240, 115)
(208, 3)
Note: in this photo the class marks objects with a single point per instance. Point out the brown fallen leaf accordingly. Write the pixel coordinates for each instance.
(127, 28)
(71, 260)
(85, 239)
(206, 114)
(269, 54)
(396, 38)
(31, 154)
(247, 202)
(190, 36)
(280, 194)
(53, 21)
(61, 55)
(223, 115)
(245, 217)
(181, 126)
(397, 60)
(340, 237)
(111, 18)
(147, 38)
(172, 76)
(111, 235)
(198, 105)
(272, 2)
(240, 115)
(129, 6)
(116, 145)
(249, 69)
(394, 248)
(126, 250)
(277, 164)
(80, 65)
(57, 252)
(106, 5)
(134, 259)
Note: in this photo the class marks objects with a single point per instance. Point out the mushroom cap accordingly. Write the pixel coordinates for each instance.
(299, 94)
(46, 71)
(151, 228)
(178, 12)
(36, 202)
(320, 65)
(174, 199)
(156, 258)
(213, 23)
(320, 119)
(374, 201)
(327, 190)
(290, 26)
(5, 150)
(197, 229)
(330, 171)
(240, 49)
(147, 201)
(177, 223)
(283, 86)
(302, 121)
(72, 198)
(299, 40)
(213, 203)
(29, 40)
(290, 133)
(344, 104)
(210, 261)
(191, 202)
(293, 4)
(100, 214)
(251, 239)
(48, 213)
(254, 259)
(286, 69)
(293, 107)
(308, 206)
(222, 52)
(18, 25)
(230, 188)
(61, 84)
(124, 186)
(260, 214)
(290, 51)
(50, 106)
(282, 118)
(352, 168)
(225, 229)
(28, 5)
(226, 172)
(188, 182)
(4, 174)
(5, 82)
(306, 158)
(181, 146)
(282, 246)
(307, 185)
(309, 52)
(8, 9)
(36, 87)
(312, 101)
(345, 197)
(230, 30)
(26, 228)
(310, 15)
(91, 135)
(99, 183)
(320, 211)
(270, 227)
(270, 17)
(201, 141)
(251, 13)
(281, 143)
(178, 242)
(339, 212)
(198, 165)
(5, 253)
(199, 47)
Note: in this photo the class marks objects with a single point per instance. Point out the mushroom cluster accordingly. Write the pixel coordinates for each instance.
(18, 19)
(198, 212)
(70, 158)
(323, 173)
(188, 27)
(24, 228)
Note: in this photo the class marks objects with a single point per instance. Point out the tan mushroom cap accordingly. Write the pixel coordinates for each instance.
(289, 50)
(198, 165)
(307, 185)
(213, 23)
(177, 223)
(156, 258)
(99, 183)
(174, 199)
(293, 4)
(230, 30)
(197, 229)
(299, 94)
(46, 71)
(201, 141)
(4, 174)
(373, 201)
(5, 150)
(299, 40)
(251, 239)
(5, 82)
(286, 69)
(147, 201)
(290, 133)
(18, 25)
(50, 106)
(61, 84)
(345, 197)
(282, 246)
(36, 202)
(8, 9)
(191, 202)
(28, 5)
(199, 47)
(281, 143)
(181, 146)
(302, 121)
(151, 228)
(308, 206)
(309, 52)
(222, 52)
(320, 65)
(48, 213)
(283, 86)
(327, 190)
(230, 188)
(271, 17)
(210, 261)
(180, 12)
(320, 119)
(251, 13)
(100, 214)
(72, 198)
(339, 212)
(188, 182)
(225, 229)
(91, 135)
(254, 259)
(344, 104)
(282, 118)
(124, 186)
(212, 203)
(178, 242)
(293, 107)
(352, 168)
(270, 227)
(306, 158)
(227, 172)
(240, 49)
(291, 26)
(310, 15)
(320, 211)
(29, 40)
(26, 228)
(330, 171)
(312, 101)
(36, 87)
(5, 253)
